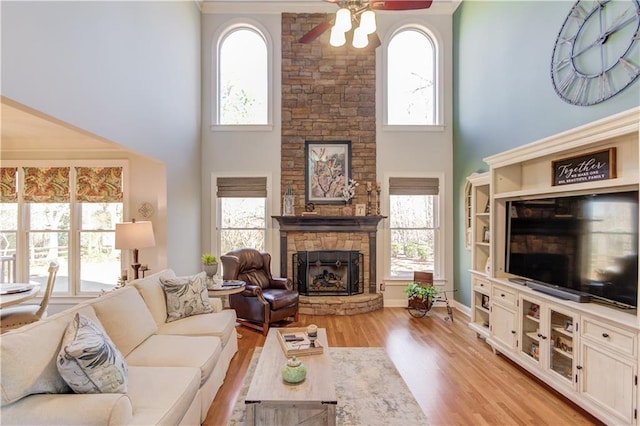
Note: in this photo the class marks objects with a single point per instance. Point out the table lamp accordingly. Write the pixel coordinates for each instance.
(134, 235)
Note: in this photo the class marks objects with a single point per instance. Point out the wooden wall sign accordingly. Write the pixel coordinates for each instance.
(599, 165)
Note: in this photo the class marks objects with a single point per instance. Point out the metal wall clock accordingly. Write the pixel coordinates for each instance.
(597, 52)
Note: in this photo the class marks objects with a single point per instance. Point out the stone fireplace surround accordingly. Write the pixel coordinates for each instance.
(315, 232)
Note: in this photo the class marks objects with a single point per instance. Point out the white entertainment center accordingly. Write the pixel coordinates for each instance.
(586, 351)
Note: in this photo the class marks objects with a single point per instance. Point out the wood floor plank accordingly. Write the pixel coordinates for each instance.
(455, 377)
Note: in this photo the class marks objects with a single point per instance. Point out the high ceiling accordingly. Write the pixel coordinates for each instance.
(26, 129)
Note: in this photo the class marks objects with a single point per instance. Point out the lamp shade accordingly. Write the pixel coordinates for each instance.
(134, 235)
(343, 20)
(360, 39)
(368, 22)
(337, 37)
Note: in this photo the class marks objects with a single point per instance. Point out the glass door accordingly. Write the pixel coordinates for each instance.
(561, 353)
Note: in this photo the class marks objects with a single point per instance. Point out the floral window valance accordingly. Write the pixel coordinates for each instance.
(8, 188)
(99, 184)
(46, 185)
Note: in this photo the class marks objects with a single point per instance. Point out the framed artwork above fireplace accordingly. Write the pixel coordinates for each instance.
(327, 170)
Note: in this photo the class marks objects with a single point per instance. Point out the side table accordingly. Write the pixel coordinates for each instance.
(228, 288)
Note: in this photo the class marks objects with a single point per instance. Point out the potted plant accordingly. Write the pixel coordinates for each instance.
(209, 264)
(420, 296)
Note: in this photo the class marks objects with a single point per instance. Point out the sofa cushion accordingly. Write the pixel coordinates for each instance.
(221, 324)
(70, 409)
(186, 296)
(25, 371)
(125, 317)
(161, 395)
(152, 292)
(89, 361)
(201, 352)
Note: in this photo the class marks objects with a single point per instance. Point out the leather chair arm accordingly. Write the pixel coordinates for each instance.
(283, 283)
(252, 291)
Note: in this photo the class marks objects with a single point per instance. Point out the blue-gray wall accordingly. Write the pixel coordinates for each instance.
(503, 96)
(126, 71)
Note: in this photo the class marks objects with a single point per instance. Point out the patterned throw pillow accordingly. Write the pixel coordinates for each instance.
(89, 361)
(186, 296)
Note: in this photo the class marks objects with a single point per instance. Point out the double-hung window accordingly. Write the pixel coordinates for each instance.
(414, 226)
(242, 212)
(66, 214)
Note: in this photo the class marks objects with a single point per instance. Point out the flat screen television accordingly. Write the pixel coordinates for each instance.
(582, 244)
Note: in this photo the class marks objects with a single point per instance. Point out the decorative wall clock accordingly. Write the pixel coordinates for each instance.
(597, 52)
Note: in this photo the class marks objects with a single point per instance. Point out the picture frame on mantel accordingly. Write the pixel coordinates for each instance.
(327, 170)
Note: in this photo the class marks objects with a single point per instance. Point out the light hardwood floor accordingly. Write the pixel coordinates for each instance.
(455, 377)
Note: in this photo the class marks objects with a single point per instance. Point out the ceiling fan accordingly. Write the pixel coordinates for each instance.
(359, 15)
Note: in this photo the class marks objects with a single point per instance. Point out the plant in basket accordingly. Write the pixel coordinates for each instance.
(420, 297)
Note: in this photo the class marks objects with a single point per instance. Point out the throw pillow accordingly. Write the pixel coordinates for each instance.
(89, 361)
(186, 296)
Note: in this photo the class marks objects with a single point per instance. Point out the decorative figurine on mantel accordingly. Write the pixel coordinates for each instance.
(348, 192)
(288, 200)
(369, 203)
(378, 189)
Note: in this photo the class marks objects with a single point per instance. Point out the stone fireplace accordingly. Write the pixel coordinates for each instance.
(328, 272)
(333, 234)
(321, 101)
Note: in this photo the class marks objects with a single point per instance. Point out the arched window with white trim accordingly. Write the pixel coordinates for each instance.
(411, 78)
(243, 77)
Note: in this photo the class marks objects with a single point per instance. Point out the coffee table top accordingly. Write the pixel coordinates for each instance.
(267, 384)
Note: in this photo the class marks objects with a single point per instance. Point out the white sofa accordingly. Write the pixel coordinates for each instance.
(174, 369)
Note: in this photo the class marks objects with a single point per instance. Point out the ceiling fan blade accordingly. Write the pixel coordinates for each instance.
(399, 4)
(316, 32)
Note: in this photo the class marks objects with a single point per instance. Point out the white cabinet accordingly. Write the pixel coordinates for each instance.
(547, 339)
(481, 304)
(479, 211)
(503, 318)
(608, 369)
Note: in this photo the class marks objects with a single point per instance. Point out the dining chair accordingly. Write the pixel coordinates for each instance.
(17, 316)
(8, 269)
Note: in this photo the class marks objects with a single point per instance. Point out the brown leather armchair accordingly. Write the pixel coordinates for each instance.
(265, 299)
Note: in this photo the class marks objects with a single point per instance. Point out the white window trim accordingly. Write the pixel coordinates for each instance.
(216, 217)
(439, 125)
(232, 25)
(22, 251)
(440, 244)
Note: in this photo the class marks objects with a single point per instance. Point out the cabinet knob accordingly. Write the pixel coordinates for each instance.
(543, 337)
(578, 367)
(501, 294)
(605, 335)
(513, 332)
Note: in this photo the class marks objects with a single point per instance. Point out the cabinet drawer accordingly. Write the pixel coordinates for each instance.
(482, 286)
(503, 295)
(609, 336)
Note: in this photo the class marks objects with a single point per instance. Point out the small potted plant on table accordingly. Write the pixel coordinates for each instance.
(420, 298)
(209, 264)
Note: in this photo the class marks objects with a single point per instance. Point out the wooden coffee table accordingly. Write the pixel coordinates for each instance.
(271, 401)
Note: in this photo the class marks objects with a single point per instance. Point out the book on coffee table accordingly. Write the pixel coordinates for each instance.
(295, 341)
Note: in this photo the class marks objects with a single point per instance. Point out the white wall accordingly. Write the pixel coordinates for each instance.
(398, 152)
(128, 72)
(239, 153)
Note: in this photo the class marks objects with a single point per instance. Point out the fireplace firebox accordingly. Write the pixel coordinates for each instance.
(328, 272)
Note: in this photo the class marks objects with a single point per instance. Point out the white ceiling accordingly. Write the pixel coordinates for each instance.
(26, 129)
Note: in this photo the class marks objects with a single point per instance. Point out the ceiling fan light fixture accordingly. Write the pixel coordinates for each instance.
(360, 39)
(343, 20)
(368, 22)
(337, 38)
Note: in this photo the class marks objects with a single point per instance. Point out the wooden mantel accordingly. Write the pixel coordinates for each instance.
(317, 223)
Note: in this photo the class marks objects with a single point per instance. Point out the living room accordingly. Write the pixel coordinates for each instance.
(135, 81)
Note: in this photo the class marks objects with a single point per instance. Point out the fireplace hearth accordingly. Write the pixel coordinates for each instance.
(328, 272)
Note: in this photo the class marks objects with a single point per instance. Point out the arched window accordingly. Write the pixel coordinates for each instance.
(411, 84)
(243, 78)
